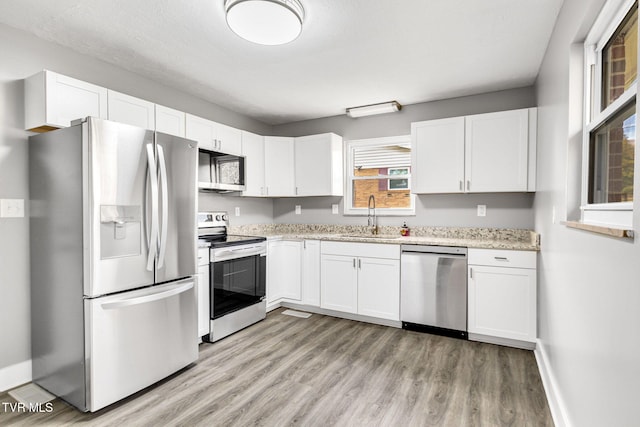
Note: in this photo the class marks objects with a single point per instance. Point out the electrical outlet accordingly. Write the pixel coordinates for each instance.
(482, 210)
(12, 208)
(334, 209)
(298, 209)
(237, 211)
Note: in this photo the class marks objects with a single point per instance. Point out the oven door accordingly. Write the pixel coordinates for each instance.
(237, 282)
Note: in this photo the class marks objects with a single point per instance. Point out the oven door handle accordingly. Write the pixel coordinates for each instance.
(237, 253)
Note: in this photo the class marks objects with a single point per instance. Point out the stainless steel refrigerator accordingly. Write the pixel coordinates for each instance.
(113, 261)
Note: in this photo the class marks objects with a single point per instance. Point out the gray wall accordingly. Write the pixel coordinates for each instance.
(503, 210)
(589, 286)
(22, 56)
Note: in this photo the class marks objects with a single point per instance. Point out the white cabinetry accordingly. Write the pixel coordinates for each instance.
(361, 278)
(213, 136)
(202, 292)
(284, 270)
(279, 166)
(311, 273)
(493, 152)
(253, 150)
(502, 296)
(170, 121)
(130, 110)
(53, 101)
(318, 165)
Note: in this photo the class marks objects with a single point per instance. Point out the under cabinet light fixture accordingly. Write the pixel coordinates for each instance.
(370, 110)
(266, 22)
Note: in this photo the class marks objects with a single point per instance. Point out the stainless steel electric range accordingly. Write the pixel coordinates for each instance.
(237, 281)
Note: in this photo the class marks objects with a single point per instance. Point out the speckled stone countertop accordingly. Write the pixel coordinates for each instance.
(488, 238)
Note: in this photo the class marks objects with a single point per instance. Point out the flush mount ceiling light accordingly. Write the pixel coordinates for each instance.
(267, 22)
(370, 110)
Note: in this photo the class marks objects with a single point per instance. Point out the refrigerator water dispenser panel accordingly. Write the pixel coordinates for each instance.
(120, 231)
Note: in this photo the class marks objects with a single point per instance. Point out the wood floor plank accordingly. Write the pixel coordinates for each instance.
(324, 371)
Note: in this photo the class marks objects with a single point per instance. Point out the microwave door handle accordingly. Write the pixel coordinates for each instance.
(162, 170)
(152, 241)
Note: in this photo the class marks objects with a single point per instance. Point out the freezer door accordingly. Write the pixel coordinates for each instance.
(177, 183)
(433, 290)
(135, 339)
(120, 189)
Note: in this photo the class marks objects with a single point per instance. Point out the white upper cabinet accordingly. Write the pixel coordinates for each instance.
(483, 153)
(279, 173)
(437, 156)
(318, 165)
(497, 151)
(253, 151)
(123, 108)
(54, 101)
(170, 121)
(214, 136)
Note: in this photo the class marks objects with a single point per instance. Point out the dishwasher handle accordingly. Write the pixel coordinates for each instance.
(449, 251)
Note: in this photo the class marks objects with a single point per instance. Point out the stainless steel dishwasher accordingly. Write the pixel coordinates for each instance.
(433, 289)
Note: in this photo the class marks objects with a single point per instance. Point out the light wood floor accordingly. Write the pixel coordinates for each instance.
(325, 371)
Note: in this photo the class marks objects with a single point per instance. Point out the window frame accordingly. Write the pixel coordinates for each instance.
(349, 177)
(616, 214)
(407, 175)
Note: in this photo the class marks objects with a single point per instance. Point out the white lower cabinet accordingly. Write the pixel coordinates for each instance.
(361, 278)
(202, 292)
(502, 295)
(311, 273)
(284, 270)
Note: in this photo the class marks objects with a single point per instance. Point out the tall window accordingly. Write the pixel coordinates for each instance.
(380, 167)
(610, 119)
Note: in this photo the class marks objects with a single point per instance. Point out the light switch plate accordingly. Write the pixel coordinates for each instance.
(334, 209)
(298, 209)
(482, 210)
(12, 208)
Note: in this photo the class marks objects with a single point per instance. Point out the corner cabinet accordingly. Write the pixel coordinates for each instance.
(502, 297)
(311, 273)
(53, 101)
(361, 278)
(483, 153)
(284, 271)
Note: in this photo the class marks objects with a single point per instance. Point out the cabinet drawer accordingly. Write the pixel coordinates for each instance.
(502, 258)
(371, 250)
(203, 256)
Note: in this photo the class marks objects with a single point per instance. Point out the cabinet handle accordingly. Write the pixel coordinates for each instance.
(471, 272)
(501, 258)
(296, 191)
(359, 264)
(354, 263)
(461, 186)
(266, 191)
(468, 184)
(304, 244)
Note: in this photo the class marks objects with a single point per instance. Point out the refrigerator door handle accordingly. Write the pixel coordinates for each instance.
(165, 205)
(147, 298)
(153, 234)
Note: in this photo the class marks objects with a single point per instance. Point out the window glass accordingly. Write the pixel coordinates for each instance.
(611, 153)
(620, 59)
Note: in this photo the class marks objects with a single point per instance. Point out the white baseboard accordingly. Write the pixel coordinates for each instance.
(554, 397)
(15, 375)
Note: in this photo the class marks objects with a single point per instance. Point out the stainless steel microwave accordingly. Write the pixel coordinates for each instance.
(220, 171)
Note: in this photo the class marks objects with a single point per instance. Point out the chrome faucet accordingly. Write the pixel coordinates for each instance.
(372, 221)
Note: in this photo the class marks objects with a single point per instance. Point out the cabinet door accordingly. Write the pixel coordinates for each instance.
(318, 165)
(437, 156)
(284, 262)
(379, 288)
(253, 150)
(229, 139)
(54, 101)
(201, 130)
(279, 170)
(170, 121)
(130, 110)
(502, 302)
(339, 283)
(497, 151)
(311, 273)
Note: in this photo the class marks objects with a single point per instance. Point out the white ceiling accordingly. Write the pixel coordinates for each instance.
(350, 53)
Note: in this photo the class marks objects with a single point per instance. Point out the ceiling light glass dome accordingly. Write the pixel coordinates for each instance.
(267, 22)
